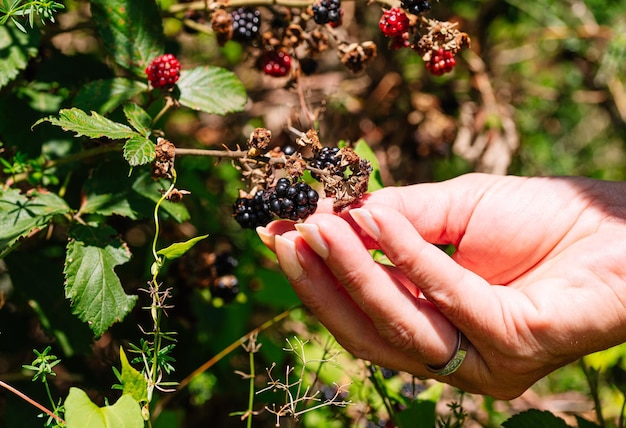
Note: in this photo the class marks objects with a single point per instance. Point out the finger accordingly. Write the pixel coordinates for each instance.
(408, 323)
(466, 299)
(319, 291)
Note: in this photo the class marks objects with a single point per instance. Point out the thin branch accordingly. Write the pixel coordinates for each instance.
(31, 401)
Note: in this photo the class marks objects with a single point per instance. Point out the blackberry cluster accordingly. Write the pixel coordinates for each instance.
(416, 6)
(246, 23)
(253, 212)
(328, 12)
(328, 157)
(294, 201)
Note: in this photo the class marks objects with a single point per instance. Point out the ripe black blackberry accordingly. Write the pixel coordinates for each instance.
(225, 264)
(226, 288)
(294, 201)
(416, 6)
(328, 157)
(327, 12)
(246, 23)
(252, 212)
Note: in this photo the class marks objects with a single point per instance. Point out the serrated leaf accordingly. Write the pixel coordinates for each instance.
(20, 214)
(365, 151)
(94, 290)
(176, 250)
(139, 150)
(104, 96)
(536, 419)
(131, 30)
(81, 412)
(133, 382)
(138, 118)
(16, 49)
(211, 89)
(92, 126)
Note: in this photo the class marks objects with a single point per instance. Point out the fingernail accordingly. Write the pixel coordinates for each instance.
(311, 234)
(267, 238)
(287, 258)
(364, 219)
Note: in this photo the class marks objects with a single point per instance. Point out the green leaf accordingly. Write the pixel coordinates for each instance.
(16, 49)
(133, 382)
(365, 151)
(536, 419)
(104, 96)
(139, 150)
(95, 291)
(176, 250)
(92, 126)
(132, 31)
(211, 89)
(21, 214)
(81, 412)
(138, 118)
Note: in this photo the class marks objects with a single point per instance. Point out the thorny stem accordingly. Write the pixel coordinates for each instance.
(227, 350)
(33, 402)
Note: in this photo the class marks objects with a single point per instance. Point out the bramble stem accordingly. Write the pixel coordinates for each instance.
(31, 401)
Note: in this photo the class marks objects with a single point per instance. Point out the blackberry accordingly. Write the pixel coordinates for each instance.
(163, 71)
(225, 263)
(252, 212)
(226, 288)
(294, 201)
(442, 61)
(416, 6)
(277, 64)
(328, 157)
(394, 22)
(246, 23)
(328, 12)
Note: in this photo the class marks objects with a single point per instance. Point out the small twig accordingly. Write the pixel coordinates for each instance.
(31, 401)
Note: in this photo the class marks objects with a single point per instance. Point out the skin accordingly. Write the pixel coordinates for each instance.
(537, 280)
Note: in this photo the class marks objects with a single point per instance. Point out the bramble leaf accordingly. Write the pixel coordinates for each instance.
(92, 126)
(133, 382)
(138, 118)
(104, 96)
(95, 291)
(21, 214)
(176, 250)
(81, 412)
(139, 150)
(211, 89)
(536, 419)
(132, 31)
(16, 48)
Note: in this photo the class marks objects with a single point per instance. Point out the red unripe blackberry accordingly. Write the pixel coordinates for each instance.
(277, 64)
(416, 6)
(294, 201)
(163, 71)
(252, 212)
(441, 61)
(394, 22)
(246, 23)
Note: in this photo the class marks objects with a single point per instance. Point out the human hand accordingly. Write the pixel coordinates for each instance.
(537, 280)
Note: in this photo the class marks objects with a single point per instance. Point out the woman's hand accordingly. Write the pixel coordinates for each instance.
(537, 280)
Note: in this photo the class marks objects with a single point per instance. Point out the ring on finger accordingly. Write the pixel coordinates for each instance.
(457, 358)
